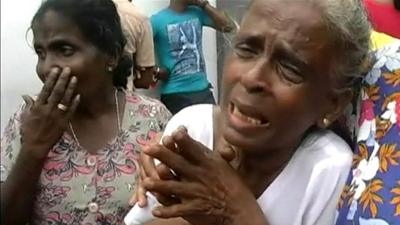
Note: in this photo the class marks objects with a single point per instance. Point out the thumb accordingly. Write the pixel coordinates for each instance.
(228, 153)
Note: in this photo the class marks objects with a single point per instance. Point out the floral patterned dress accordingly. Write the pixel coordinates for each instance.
(372, 193)
(77, 187)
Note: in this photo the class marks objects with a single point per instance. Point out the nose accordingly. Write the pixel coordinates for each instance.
(255, 80)
(45, 65)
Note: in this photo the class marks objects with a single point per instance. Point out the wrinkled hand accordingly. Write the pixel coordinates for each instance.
(148, 168)
(208, 191)
(42, 121)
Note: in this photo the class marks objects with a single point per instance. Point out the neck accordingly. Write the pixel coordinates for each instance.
(264, 164)
(177, 5)
(96, 104)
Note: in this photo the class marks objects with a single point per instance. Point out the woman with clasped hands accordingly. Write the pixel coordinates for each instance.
(293, 69)
(70, 156)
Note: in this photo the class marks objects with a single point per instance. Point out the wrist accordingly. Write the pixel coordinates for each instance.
(33, 153)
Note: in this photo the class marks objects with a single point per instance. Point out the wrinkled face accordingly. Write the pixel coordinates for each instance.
(59, 43)
(276, 82)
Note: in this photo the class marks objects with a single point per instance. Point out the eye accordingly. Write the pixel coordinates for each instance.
(67, 50)
(41, 55)
(290, 72)
(245, 51)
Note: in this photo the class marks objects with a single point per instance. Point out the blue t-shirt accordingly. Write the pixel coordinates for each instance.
(179, 49)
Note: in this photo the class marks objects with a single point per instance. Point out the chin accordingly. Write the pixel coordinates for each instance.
(245, 142)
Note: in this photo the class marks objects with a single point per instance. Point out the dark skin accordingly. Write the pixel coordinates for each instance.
(277, 84)
(74, 73)
(88, 64)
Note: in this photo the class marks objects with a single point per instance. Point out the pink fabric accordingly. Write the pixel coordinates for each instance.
(384, 17)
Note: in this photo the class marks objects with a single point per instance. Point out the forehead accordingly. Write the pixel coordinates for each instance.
(53, 25)
(297, 21)
(292, 24)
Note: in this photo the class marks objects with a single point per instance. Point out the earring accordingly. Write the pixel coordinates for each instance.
(326, 122)
(109, 69)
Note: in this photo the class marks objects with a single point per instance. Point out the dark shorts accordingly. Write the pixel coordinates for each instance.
(177, 101)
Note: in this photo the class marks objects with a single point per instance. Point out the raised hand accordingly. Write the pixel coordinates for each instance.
(208, 191)
(45, 119)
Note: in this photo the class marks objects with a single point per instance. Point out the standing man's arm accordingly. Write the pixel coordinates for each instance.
(221, 22)
(144, 57)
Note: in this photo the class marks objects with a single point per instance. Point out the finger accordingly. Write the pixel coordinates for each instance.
(28, 102)
(177, 210)
(139, 197)
(148, 165)
(133, 198)
(69, 92)
(172, 188)
(156, 138)
(165, 173)
(167, 200)
(169, 142)
(141, 193)
(228, 153)
(48, 86)
(59, 89)
(171, 159)
(189, 148)
(74, 106)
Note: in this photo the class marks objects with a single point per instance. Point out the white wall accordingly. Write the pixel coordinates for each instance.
(18, 60)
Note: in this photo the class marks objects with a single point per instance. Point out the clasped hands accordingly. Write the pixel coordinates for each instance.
(192, 181)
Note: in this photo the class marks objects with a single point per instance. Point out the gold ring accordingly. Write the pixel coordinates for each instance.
(62, 107)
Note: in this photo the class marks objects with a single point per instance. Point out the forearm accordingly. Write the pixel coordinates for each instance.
(18, 192)
(221, 21)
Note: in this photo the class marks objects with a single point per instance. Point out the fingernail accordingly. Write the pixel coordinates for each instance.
(182, 128)
(55, 69)
(179, 134)
(67, 69)
(74, 79)
(78, 97)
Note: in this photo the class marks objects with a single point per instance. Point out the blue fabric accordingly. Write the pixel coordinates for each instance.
(179, 49)
(372, 193)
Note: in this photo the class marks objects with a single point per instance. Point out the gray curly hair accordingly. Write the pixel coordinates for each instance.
(350, 31)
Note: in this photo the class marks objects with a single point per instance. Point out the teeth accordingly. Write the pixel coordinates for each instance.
(251, 120)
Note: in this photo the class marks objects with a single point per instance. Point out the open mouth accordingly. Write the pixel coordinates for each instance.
(248, 116)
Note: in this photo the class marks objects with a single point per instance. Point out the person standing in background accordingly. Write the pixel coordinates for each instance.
(139, 46)
(178, 44)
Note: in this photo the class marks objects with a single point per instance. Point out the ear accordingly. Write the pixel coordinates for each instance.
(338, 101)
(113, 59)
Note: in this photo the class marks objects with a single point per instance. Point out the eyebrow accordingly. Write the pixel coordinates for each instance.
(55, 43)
(286, 51)
(252, 39)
